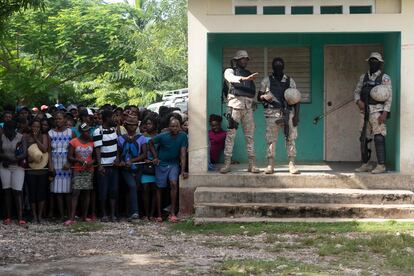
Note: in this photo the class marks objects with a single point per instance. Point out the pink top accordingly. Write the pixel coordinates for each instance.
(217, 140)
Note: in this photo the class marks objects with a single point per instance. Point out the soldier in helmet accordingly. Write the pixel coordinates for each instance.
(371, 97)
(240, 101)
(279, 113)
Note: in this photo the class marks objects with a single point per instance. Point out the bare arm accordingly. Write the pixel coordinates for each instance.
(42, 143)
(183, 157)
(154, 152)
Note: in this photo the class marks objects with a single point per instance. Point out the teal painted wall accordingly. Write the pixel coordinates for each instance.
(310, 143)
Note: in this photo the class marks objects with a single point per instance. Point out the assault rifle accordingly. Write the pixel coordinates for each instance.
(286, 113)
(363, 139)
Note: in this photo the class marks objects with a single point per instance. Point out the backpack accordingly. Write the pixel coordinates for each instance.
(130, 149)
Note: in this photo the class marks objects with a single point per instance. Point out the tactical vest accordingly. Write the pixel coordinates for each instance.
(367, 87)
(244, 88)
(277, 88)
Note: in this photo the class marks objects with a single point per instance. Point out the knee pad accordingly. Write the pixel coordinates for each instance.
(379, 138)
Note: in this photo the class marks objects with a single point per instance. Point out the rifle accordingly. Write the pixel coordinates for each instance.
(286, 113)
(363, 139)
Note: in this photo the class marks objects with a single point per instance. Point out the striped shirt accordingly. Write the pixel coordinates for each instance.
(107, 141)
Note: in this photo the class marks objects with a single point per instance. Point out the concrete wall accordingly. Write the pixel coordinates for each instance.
(201, 23)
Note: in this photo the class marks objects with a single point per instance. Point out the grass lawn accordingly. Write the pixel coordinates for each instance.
(343, 248)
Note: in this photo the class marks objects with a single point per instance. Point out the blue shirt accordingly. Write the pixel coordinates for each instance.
(170, 146)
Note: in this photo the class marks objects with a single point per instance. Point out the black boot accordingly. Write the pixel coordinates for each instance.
(380, 149)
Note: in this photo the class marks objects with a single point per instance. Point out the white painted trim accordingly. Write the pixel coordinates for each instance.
(346, 4)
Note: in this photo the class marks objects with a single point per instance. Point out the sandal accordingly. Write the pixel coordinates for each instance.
(69, 222)
(22, 222)
(172, 219)
(158, 219)
(7, 221)
(105, 219)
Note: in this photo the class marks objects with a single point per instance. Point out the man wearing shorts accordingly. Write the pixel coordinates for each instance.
(170, 159)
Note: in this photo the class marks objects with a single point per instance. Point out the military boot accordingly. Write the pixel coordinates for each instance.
(380, 168)
(270, 166)
(292, 166)
(364, 168)
(227, 163)
(252, 166)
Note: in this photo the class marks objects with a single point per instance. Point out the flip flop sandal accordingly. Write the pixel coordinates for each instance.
(173, 219)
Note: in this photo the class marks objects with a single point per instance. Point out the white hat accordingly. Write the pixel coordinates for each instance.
(241, 54)
(375, 55)
(38, 158)
(72, 106)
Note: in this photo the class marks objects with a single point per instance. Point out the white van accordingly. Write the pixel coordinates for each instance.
(168, 95)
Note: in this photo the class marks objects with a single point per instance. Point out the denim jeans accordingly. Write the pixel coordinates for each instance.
(108, 184)
(130, 179)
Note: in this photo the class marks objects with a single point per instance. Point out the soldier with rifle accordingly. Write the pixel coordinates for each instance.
(280, 99)
(240, 101)
(373, 96)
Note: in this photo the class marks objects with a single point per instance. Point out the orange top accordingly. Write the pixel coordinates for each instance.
(82, 152)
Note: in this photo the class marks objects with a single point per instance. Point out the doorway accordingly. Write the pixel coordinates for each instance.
(344, 64)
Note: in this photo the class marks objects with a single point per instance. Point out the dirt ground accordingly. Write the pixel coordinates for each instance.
(148, 248)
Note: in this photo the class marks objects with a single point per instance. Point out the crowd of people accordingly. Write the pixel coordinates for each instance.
(69, 163)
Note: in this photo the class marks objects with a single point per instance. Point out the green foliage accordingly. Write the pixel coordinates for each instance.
(8, 7)
(90, 52)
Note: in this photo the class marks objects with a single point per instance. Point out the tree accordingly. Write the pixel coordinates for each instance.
(160, 58)
(95, 53)
(8, 7)
(43, 54)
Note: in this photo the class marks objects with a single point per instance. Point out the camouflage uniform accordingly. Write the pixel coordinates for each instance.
(375, 131)
(241, 110)
(375, 110)
(273, 114)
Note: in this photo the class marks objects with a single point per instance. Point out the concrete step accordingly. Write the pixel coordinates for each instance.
(311, 179)
(314, 210)
(301, 195)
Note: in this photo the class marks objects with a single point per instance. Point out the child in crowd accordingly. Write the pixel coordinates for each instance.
(150, 128)
(217, 138)
(81, 158)
(171, 154)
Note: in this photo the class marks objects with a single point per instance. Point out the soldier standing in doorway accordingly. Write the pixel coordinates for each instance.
(373, 95)
(240, 101)
(279, 113)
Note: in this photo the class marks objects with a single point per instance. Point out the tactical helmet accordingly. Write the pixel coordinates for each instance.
(380, 93)
(292, 96)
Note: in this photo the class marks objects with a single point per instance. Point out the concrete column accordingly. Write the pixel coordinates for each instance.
(197, 84)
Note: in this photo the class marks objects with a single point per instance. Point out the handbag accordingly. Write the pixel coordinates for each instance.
(148, 169)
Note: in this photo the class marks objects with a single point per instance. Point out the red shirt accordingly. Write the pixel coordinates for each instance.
(82, 152)
(217, 141)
